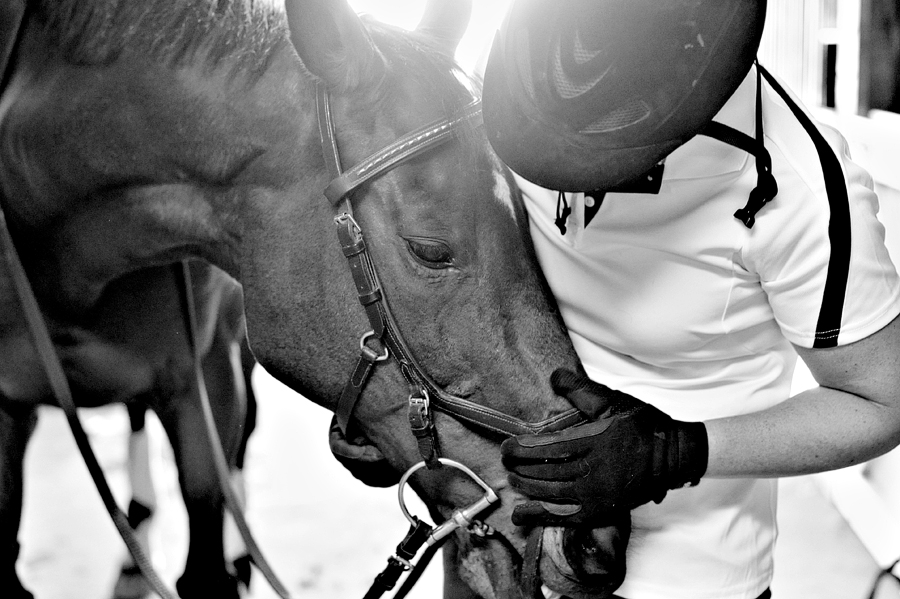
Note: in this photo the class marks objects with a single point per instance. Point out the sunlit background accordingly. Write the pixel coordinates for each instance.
(486, 16)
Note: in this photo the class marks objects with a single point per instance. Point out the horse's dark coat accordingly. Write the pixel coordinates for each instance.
(175, 140)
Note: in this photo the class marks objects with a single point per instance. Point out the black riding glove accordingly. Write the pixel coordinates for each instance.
(628, 455)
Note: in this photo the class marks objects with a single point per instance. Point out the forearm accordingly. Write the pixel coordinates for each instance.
(819, 429)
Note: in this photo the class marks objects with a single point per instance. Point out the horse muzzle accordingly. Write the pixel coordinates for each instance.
(582, 563)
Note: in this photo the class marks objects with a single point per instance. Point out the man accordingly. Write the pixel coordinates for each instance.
(699, 231)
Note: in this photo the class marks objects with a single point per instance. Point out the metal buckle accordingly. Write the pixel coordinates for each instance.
(370, 354)
(422, 403)
(461, 518)
(345, 217)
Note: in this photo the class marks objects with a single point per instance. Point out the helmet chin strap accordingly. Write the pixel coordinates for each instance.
(562, 212)
(766, 186)
(649, 182)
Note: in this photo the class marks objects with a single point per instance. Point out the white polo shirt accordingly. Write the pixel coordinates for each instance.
(670, 298)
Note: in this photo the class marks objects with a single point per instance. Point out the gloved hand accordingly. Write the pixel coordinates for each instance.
(629, 454)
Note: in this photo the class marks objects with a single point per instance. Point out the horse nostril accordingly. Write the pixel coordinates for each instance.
(595, 555)
(590, 549)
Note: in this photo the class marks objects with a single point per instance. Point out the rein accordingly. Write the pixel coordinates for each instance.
(425, 395)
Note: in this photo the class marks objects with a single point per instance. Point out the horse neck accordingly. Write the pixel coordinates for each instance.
(88, 236)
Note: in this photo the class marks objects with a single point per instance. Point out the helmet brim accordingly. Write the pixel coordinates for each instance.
(543, 148)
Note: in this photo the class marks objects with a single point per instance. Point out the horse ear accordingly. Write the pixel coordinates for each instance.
(332, 42)
(446, 21)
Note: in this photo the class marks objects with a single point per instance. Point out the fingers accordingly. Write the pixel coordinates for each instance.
(551, 471)
(557, 491)
(586, 395)
(564, 445)
(547, 514)
(591, 397)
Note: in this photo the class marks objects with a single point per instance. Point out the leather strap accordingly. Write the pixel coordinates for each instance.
(766, 187)
(219, 461)
(530, 576)
(369, 291)
(410, 145)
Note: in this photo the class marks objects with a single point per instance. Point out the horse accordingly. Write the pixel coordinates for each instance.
(177, 129)
(131, 347)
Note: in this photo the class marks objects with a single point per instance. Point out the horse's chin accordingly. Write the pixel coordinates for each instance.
(584, 563)
(488, 570)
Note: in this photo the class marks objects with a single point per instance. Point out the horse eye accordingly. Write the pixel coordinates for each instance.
(430, 253)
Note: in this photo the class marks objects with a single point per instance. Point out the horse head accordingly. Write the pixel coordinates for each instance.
(450, 240)
(195, 133)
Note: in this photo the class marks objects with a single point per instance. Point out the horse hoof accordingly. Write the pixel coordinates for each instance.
(240, 569)
(20, 593)
(227, 587)
(131, 585)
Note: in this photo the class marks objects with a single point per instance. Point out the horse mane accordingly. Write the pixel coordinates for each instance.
(95, 32)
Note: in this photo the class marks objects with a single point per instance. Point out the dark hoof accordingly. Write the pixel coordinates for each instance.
(16, 592)
(240, 569)
(227, 587)
(131, 584)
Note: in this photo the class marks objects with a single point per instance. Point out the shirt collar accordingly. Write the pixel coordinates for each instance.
(703, 156)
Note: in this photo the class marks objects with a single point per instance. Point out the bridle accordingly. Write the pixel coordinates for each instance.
(425, 395)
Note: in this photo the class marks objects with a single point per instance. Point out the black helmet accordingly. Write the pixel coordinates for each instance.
(590, 94)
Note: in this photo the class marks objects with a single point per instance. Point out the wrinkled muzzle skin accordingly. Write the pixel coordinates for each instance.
(581, 563)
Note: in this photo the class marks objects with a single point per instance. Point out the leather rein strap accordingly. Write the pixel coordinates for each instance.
(425, 394)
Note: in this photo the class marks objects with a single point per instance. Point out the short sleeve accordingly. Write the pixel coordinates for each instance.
(818, 248)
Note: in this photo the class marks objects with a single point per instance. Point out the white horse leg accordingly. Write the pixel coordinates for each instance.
(131, 584)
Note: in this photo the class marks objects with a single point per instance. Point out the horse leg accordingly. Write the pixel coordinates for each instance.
(16, 425)
(205, 573)
(131, 584)
(235, 549)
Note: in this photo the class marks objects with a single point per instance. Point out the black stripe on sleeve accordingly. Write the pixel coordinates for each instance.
(828, 326)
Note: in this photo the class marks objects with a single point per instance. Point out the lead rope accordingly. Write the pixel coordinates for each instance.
(59, 385)
(215, 442)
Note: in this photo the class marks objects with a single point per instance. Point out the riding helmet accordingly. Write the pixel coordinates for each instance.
(590, 94)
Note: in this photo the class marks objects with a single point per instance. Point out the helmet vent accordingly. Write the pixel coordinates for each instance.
(523, 58)
(572, 84)
(624, 116)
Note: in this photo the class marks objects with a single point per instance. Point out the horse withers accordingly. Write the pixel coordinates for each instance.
(177, 129)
